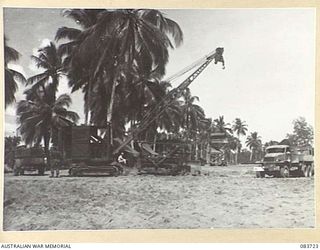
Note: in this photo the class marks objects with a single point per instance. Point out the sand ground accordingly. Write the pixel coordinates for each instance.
(229, 197)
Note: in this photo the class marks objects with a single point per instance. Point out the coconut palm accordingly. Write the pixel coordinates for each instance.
(205, 131)
(240, 128)
(221, 126)
(232, 145)
(169, 119)
(254, 143)
(11, 76)
(78, 74)
(47, 81)
(192, 113)
(124, 49)
(38, 118)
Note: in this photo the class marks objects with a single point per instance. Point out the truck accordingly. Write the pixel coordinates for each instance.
(286, 161)
(29, 159)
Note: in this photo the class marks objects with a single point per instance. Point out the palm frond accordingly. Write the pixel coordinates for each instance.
(71, 116)
(67, 33)
(175, 31)
(18, 76)
(10, 54)
(36, 79)
(11, 87)
(40, 63)
(66, 48)
(63, 100)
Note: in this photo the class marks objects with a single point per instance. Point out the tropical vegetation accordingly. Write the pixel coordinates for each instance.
(117, 58)
(255, 145)
(240, 128)
(12, 77)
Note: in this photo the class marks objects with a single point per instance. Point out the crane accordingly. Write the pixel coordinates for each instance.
(174, 94)
(79, 142)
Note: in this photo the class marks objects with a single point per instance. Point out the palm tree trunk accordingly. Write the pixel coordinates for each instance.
(109, 119)
(46, 139)
(154, 141)
(236, 156)
(196, 150)
(251, 154)
(208, 153)
(86, 109)
(237, 151)
(88, 103)
(86, 117)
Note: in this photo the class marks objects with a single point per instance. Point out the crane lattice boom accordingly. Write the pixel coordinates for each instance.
(174, 94)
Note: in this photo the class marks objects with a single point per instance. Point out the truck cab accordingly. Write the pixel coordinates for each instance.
(277, 153)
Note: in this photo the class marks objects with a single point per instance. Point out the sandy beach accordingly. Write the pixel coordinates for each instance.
(222, 197)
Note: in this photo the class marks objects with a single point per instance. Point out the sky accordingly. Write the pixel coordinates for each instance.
(269, 79)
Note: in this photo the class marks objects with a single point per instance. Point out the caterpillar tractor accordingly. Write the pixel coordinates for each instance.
(89, 150)
(287, 161)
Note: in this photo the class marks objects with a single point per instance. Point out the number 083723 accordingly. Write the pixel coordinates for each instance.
(308, 246)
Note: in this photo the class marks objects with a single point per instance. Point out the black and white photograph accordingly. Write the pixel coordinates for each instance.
(159, 118)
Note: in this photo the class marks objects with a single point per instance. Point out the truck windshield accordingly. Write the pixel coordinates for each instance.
(276, 150)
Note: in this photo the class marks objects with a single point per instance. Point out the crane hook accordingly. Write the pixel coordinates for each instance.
(218, 57)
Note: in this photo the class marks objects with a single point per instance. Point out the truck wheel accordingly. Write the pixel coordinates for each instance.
(16, 171)
(304, 170)
(73, 172)
(312, 170)
(41, 170)
(284, 172)
(308, 171)
(116, 173)
(260, 174)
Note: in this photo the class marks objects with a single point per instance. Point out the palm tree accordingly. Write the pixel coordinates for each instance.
(38, 118)
(78, 74)
(192, 117)
(47, 81)
(192, 113)
(221, 126)
(240, 127)
(254, 143)
(123, 50)
(11, 76)
(11, 143)
(165, 112)
(206, 129)
(232, 145)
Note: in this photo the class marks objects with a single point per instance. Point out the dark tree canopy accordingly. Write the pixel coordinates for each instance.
(302, 133)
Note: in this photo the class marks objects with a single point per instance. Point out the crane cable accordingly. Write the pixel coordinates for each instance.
(188, 68)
